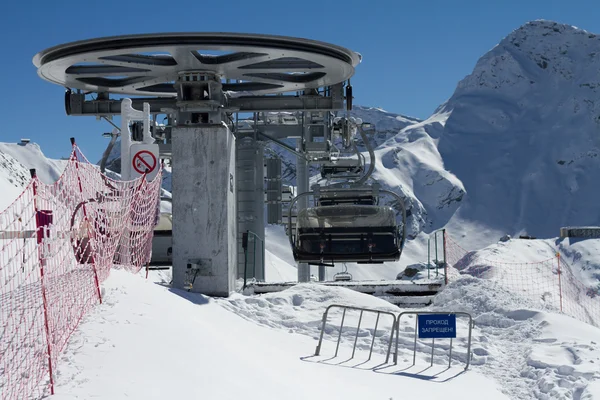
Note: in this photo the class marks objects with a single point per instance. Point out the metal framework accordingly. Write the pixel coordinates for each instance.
(379, 313)
(199, 80)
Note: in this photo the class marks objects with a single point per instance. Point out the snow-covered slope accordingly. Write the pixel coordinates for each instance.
(16, 159)
(13, 179)
(522, 133)
(518, 349)
(30, 155)
(150, 342)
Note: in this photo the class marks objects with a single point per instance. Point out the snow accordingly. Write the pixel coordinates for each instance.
(147, 341)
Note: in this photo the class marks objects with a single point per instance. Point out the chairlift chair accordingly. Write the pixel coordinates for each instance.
(348, 228)
(343, 276)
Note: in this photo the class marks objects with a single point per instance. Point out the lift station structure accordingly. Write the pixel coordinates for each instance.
(204, 83)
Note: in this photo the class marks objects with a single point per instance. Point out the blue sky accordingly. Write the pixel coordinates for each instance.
(414, 52)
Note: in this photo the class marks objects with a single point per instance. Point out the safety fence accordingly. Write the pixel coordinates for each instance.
(58, 242)
(362, 328)
(550, 283)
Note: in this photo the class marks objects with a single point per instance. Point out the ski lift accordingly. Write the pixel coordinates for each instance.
(343, 276)
(347, 225)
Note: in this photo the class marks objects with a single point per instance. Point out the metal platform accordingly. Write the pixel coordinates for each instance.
(401, 293)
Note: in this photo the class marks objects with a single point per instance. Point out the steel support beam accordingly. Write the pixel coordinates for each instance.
(302, 184)
(77, 105)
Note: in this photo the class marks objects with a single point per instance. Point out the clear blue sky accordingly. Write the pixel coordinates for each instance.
(414, 52)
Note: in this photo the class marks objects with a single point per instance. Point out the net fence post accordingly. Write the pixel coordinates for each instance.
(39, 239)
(559, 273)
(91, 236)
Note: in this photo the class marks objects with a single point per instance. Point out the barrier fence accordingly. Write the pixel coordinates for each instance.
(550, 283)
(58, 243)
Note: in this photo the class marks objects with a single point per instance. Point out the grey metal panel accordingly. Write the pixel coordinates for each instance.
(250, 203)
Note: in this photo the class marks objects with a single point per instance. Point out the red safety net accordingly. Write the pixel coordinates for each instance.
(57, 244)
(550, 283)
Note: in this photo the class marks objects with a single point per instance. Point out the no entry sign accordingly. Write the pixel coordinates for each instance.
(437, 326)
(144, 161)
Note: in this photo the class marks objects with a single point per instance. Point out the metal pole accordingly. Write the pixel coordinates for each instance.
(90, 232)
(374, 334)
(40, 242)
(302, 185)
(321, 273)
(357, 330)
(387, 357)
(428, 257)
(559, 281)
(450, 355)
(416, 334)
(436, 255)
(469, 343)
(432, 348)
(318, 350)
(397, 336)
(445, 261)
(340, 335)
(245, 265)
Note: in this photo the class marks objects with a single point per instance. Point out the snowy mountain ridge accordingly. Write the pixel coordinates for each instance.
(521, 133)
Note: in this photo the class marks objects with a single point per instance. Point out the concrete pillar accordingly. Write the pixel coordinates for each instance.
(302, 185)
(204, 209)
(250, 179)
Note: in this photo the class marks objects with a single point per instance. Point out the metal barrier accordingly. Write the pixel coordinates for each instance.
(433, 337)
(362, 310)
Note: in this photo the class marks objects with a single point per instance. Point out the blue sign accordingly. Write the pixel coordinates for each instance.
(436, 326)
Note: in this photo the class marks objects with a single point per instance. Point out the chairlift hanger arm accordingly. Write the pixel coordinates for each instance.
(371, 156)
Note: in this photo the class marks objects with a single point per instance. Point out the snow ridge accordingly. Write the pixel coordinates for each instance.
(521, 132)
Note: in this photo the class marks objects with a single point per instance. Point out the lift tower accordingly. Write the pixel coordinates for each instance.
(200, 81)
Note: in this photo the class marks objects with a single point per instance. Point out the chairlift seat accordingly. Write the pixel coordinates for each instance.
(347, 233)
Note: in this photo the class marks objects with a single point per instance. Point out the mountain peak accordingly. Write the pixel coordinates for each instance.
(522, 134)
(539, 55)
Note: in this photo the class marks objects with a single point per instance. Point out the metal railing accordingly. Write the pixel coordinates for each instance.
(395, 330)
(416, 314)
(435, 248)
(362, 311)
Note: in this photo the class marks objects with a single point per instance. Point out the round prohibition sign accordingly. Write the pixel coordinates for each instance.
(144, 161)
